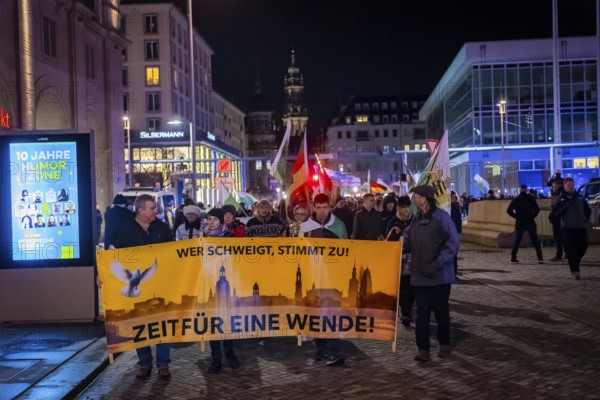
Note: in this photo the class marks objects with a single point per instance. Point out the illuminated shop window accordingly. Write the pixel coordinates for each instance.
(406, 147)
(152, 76)
(592, 162)
(579, 163)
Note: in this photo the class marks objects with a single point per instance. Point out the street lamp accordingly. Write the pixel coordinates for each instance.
(502, 110)
(127, 127)
(192, 152)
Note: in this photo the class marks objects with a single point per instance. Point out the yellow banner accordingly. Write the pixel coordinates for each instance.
(237, 288)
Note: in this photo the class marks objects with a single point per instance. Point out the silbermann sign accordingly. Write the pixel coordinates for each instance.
(161, 135)
(147, 137)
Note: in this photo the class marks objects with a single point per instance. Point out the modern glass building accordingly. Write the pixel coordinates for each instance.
(497, 102)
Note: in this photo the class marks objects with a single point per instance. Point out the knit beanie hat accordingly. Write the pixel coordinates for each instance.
(217, 213)
(228, 208)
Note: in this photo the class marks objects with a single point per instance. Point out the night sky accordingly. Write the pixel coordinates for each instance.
(360, 47)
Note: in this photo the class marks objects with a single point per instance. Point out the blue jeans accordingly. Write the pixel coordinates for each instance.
(162, 356)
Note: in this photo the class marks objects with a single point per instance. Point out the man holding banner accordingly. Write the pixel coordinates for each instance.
(142, 230)
(323, 224)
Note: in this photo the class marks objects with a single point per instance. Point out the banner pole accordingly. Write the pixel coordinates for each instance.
(203, 346)
(111, 358)
(394, 343)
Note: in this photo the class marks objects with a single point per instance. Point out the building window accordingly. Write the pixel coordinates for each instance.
(269, 165)
(90, 63)
(419, 133)
(152, 76)
(125, 76)
(362, 118)
(124, 55)
(357, 107)
(405, 104)
(385, 119)
(376, 132)
(49, 33)
(395, 132)
(579, 163)
(415, 104)
(341, 168)
(151, 50)
(365, 106)
(375, 106)
(405, 118)
(407, 147)
(175, 79)
(394, 118)
(339, 133)
(384, 106)
(417, 147)
(125, 103)
(376, 119)
(392, 105)
(151, 23)
(348, 135)
(152, 102)
(592, 162)
(567, 164)
(153, 124)
(259, 165)
(348, 120)
(385, 133)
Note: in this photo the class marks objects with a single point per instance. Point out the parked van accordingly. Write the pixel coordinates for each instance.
(165, 200)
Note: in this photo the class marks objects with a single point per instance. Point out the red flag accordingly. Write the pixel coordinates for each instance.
(299, 188)
(223, 166)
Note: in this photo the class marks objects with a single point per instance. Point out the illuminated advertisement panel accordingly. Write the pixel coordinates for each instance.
(49, 215)
(44, 196)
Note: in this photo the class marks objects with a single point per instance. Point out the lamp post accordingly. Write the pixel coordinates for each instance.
(502, 110)
(127, 127)
(192, 98)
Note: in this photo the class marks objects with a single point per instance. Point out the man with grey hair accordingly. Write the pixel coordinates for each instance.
(142, 230)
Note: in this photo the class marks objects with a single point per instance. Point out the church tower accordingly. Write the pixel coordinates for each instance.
(223, 291)
(353, 286)
(293, 87)
(298, 295)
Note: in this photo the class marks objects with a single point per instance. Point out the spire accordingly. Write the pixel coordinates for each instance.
(293, 56)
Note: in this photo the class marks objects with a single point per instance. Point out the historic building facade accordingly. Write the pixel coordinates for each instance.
(61, 70)
(382, 135)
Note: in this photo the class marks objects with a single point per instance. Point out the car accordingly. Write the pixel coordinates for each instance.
(591, 192)
(165, 200)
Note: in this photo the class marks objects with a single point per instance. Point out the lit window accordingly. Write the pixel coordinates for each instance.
(592, 162)
(362, 118)
(175, 79)
(341, 167)
(259, 165)
(269, 165)
(579, 163)
(406, 147)
(417, 147)
(348, 120)
(152, 76)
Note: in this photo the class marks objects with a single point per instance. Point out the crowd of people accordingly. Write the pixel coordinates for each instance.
(429, 258)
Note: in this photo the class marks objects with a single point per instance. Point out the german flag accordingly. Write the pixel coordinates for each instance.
(378, 188)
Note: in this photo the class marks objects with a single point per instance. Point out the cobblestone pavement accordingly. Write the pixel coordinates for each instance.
(526, 331)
